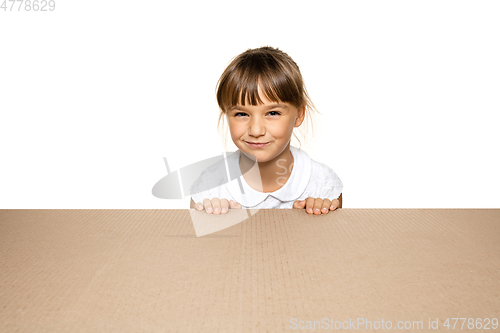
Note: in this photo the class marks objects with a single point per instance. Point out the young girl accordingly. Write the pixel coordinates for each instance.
(262, 95)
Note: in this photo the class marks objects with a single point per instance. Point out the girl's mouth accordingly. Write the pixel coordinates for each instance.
(256, 145)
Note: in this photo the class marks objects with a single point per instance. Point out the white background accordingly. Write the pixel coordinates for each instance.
(96, 93)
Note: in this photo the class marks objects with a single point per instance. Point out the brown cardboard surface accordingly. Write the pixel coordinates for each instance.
(146, 271)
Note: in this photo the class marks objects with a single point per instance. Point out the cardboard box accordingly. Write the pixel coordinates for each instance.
(279, 270)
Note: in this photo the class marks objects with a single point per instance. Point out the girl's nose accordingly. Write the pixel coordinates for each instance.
(256, 128)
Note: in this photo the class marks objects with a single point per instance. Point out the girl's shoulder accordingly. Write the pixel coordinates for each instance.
(322, 170)
(317, 168)
(211, 177)
(324, 182)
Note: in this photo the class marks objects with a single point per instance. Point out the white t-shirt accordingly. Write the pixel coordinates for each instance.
(308, 179)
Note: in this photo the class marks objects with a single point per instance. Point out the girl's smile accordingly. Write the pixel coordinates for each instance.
(257, 145)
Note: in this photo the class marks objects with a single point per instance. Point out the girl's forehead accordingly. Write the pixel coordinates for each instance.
(270, 105)
(261, 98)
(253, 94)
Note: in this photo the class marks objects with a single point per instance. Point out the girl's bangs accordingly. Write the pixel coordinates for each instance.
(246, 92)
(277, 78)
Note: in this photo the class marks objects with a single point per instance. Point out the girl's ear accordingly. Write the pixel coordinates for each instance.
(301, 112)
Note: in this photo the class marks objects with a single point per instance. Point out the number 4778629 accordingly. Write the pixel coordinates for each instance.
(472, 323)
(28, 5)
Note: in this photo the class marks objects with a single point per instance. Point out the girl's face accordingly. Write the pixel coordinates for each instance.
(264, 131)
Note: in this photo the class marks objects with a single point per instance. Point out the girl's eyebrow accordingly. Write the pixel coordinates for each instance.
(272, 106)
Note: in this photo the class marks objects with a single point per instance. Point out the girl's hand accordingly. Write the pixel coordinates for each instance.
(217, 206)
(317, 206)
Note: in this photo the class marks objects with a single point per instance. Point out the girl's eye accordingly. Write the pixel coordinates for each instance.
(243, 114)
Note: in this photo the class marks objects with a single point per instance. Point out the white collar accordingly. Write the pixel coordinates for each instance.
(292, 190)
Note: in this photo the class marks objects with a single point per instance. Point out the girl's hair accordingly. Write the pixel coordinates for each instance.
(271, 69)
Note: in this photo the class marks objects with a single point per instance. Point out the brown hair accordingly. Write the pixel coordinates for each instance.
(273, 70)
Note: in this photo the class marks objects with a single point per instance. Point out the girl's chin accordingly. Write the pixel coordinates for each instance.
(262, 155)
(250, 155)
(259, 157)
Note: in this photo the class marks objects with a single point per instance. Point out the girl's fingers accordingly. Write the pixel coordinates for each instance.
(325, 208)
(318, 203)
(335, 204)
(208, 206)
(216, 205)
(310, 205)
(315, 206)
(224, 206)
(318, 206)
(234, 205)
(299, 204)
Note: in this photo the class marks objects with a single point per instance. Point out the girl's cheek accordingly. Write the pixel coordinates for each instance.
(236, 127)
(282, 130)
(235, 132)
